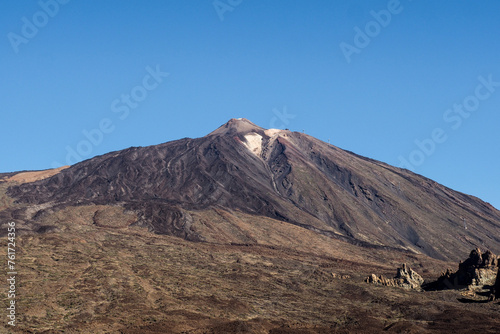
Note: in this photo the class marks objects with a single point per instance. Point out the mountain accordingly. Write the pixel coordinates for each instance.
(201, 189)
(245, 230)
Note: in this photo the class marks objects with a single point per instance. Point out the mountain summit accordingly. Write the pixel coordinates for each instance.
(199, 189)
(237, 125)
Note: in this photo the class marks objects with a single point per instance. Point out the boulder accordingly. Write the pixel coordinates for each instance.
(490, 260)
(408, 278)
(484, 276)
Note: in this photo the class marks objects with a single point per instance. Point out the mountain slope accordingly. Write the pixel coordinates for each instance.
(292, 177)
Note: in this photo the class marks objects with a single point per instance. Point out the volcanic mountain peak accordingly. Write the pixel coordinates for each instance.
(179, 187)
(255, 138)
(237, 126)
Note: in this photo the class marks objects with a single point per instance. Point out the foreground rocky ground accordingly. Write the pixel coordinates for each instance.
(94, 279)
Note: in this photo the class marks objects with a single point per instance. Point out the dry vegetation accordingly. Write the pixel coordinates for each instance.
(109, 278)
(280, 243)
(25, 177)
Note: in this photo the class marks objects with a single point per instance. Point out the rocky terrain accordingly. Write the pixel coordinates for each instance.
(245, 230)
(478, 275)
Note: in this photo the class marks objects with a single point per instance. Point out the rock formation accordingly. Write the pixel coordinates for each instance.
(405, 278)
(477, 271)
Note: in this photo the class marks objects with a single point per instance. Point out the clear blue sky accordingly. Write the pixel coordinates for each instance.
(371, 87)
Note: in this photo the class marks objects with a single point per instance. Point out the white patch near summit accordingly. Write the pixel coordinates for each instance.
(272, 132)
(254, 143)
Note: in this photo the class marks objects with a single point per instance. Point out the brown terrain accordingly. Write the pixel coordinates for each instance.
(26, 177)
(247, 230)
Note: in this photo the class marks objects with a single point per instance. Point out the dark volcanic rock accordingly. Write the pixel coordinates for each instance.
(280, 174)
(476, 271)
